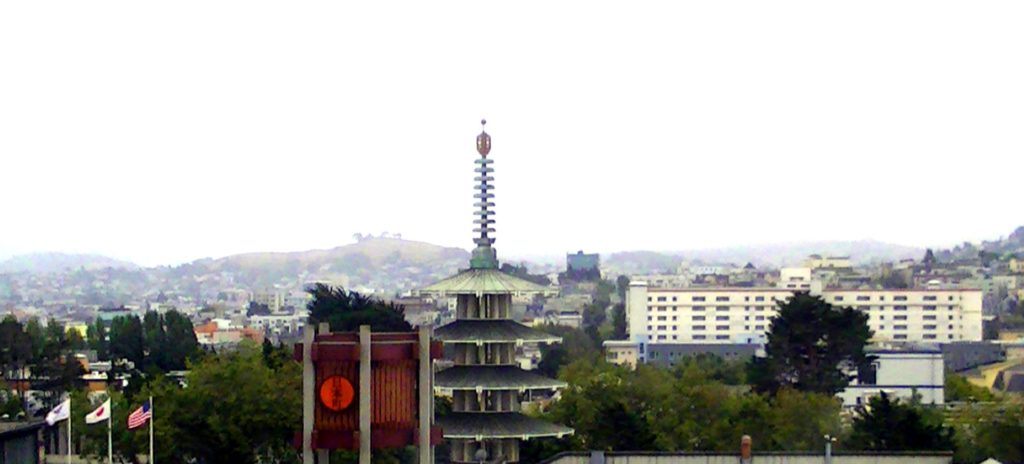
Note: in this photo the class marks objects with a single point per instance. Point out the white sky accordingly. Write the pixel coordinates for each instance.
(162, 132)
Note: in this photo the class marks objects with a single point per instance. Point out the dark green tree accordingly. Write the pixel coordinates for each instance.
(811, 347)
(182, 344)
(97, 337)
(619, 322)
(346, 311)
(891, 425)
(127, 340)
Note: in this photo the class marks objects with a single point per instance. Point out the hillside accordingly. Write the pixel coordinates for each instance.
(44, 263)
(861, 252)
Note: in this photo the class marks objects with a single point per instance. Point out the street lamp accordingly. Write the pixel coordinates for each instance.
(829, 440)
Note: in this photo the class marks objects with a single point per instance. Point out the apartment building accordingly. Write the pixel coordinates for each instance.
(902, 373)
(743, 315)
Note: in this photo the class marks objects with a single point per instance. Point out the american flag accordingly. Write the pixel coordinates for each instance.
(139, 417)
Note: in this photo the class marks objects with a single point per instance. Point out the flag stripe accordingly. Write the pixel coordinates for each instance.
(139, 416)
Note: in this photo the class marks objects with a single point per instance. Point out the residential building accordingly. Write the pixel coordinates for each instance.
(272, 299)
(581, 261)
(902, 373)
(734, 315)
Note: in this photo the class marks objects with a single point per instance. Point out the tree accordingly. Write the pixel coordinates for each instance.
(97, 337)
(811, 347)
(959, 389)
(347, 310)
(619, 322)
(992, 430)
(235, 405)
(798, 420)
(576, 345)
(891, 425)
(127, 340)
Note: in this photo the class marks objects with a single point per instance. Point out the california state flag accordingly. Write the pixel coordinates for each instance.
(101, 413)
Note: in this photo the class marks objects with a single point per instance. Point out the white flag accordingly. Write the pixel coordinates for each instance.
(101, 413)
(61, 412)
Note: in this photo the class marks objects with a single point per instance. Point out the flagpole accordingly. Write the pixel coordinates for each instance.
(151, 418)
(110, 433)
(69, 428)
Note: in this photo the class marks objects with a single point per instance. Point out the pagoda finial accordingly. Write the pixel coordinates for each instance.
(484, 256)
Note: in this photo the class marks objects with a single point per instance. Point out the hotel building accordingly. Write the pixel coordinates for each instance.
(743, 315)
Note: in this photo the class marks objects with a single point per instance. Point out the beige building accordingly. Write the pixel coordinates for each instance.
(622, 352)
(743, 315)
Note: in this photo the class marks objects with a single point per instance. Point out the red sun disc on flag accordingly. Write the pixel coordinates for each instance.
(336, 393)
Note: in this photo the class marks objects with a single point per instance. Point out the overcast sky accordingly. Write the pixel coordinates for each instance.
(162, 132)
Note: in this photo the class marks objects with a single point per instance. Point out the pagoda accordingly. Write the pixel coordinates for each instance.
(485, 382)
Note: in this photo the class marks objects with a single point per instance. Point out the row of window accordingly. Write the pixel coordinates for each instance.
(701, 328)
(894, 298)
(662, 299)
(702, 318)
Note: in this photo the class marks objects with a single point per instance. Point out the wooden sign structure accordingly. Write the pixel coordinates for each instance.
(367, 390)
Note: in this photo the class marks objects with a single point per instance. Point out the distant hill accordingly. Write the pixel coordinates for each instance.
(1012, 244)
(371, 251)
(861, 252)
(42, 263)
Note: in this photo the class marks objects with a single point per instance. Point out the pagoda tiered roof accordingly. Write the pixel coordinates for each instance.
(484, 425)
(491, 331)
(486, 282)
(493, 378)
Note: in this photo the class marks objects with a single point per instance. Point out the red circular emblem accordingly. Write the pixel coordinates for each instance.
(336, 393)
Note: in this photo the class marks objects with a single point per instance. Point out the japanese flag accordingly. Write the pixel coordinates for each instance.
(101, 413)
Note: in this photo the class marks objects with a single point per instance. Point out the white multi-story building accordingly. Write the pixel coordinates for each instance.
(743, 315)
(901, 373)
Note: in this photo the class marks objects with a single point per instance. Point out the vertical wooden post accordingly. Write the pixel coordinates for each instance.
(426, 398)
(365, 372)
(308, 394)
(323, 456)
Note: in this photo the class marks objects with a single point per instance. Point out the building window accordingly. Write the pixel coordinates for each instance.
(759, 318)
(838, 298)
(863, 298)
(673, 298)
(746, 327)
(698, 298)
(722, 308)
(674, 327)
(661, 327)
(673, 318)
(660, 337)
(699, 327)
(929, 327)
(863, 308)
(661, 298)
(721, 298)
(899, 298)
(929, 317)
(899, 318)
(721, 337)
(721, 327)
(650, 318)
(899, 308)
(881, 327)
(900, 337)
(951, 327)
(899, 327)
(698, 318)
(760, 308)
(758, 327)
(930, 307)
(650, 328)
(662, 318)
(699, 337)
(698, 308)
(758, 298)
(930, 298)
(721, 318)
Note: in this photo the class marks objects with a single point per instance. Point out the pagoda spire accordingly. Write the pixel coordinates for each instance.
(484, 255)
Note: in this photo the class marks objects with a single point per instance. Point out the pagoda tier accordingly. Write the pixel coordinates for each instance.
(481, 378)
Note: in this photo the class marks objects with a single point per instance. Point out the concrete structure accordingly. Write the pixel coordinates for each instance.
(485, 381)
(743, 315)
(272, 299)
(20, 442)
(780, 457)
(828, 262)
(901, 373)
(622, 352)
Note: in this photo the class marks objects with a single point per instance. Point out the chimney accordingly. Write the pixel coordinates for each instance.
(746, 449)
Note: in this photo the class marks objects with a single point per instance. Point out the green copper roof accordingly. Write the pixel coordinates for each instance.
(485, 282)
(491, 331)
(493, 378)
(481, 425)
